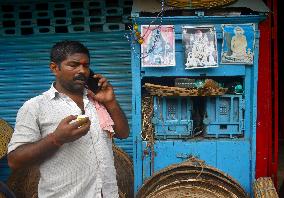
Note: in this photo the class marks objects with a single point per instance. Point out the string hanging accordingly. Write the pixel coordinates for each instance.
(134, 36)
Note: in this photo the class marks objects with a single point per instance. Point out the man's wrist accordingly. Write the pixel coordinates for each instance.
(111, 105)
(54, 140)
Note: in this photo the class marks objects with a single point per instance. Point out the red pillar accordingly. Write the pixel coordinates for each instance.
(267, 115)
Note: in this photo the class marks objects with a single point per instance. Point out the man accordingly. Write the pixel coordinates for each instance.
(239, 43)
(75, 157)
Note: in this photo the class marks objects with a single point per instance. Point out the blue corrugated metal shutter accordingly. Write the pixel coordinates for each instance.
(30, 29)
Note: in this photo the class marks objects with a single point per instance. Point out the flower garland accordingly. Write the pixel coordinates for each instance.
(135, 36)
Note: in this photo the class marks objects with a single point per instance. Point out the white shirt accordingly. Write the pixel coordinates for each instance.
(83, 168)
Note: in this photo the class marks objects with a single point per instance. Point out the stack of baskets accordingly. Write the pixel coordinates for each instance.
(192, 179)
(263, 187)
(206, 90)
(197, 4)
(125, 173)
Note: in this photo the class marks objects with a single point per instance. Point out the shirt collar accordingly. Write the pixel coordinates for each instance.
(52, 93)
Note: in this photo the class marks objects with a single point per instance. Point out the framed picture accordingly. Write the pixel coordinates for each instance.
(238, 44)
(200, 47)
(158, 48)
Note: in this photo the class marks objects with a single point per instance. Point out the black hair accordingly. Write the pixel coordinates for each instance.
(61, 50)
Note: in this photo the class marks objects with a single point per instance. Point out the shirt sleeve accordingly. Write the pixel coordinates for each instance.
(26, 128)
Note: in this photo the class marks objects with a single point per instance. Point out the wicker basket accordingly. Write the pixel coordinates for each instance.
(192, 189)
(5, 191)
(24, 182)
(6, 132)
(206, 90)
(193, 179)
(125, 174)
(197, 4)
(263, 187)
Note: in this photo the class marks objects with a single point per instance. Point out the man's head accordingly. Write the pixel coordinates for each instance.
(198, 34)
(70, 62)
(238, 30)
(61, 50)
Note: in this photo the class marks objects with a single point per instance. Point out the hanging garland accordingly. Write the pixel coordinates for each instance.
(134, 36)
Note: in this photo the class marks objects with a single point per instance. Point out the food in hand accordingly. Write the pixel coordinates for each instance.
(82, 119)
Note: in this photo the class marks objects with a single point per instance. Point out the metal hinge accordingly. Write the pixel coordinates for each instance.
(242, 124)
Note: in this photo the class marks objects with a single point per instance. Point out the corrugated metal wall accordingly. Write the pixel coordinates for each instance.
(24, 59)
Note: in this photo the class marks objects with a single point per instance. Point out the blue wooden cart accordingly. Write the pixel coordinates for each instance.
(219, 129)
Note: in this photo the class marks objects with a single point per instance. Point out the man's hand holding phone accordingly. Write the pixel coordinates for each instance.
(103, 93)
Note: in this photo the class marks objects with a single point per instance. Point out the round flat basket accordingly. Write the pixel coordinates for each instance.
(197, 4)
(6, 132)
(191, 189)
(191, 179)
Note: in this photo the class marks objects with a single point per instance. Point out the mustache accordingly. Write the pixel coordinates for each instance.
(80, 77)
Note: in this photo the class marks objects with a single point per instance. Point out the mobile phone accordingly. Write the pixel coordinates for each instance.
(92, 83)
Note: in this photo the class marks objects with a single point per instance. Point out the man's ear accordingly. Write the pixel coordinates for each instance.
(54, 68)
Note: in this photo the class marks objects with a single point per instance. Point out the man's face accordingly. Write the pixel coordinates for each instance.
(198, 35)
(74, 72)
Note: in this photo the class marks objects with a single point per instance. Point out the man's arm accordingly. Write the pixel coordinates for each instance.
(121, 126)
(31, 153)
(106, 96)
(37, 152)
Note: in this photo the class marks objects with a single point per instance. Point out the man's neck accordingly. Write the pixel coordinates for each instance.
(77, 97)
(67, 92)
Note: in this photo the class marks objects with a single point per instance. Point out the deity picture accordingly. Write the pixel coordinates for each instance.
(158, 48)
(238, 44)
(200, 47)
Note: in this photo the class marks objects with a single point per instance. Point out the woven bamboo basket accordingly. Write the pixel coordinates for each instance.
(263, 187)
(5, 192)
(124, 172)
(6, 132)
(192, 189)
(24, 182)
(191, 179)
(197, 4)
(209, 89)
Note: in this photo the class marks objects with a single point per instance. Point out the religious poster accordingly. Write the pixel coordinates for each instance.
(158, 48)
(238, 44)
(200, 47)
